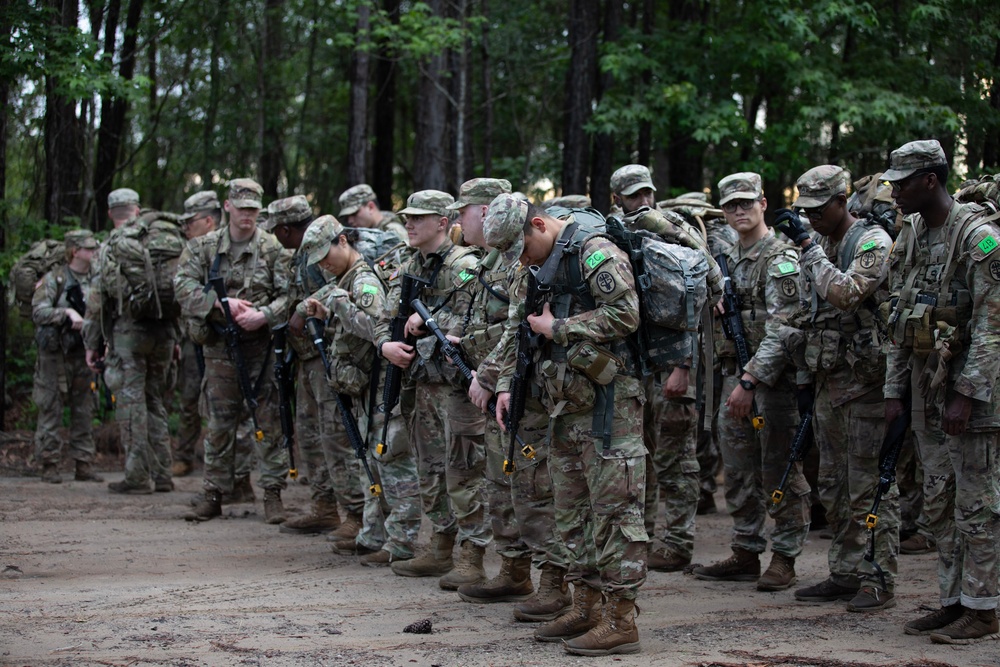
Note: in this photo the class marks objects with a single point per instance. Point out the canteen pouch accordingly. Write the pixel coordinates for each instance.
(597, 363)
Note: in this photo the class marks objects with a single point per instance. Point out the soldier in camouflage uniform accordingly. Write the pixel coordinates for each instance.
(764, 275)
(256, 283)
(351, 305)
(137, 365)
(842, 276)
(359, 208)
(944, 324)
(61, 373)
(596, 456)
(446, 430)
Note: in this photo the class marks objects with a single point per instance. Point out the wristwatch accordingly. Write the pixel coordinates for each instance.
(747, 384)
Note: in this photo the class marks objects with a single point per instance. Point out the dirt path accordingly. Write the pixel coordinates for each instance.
(90, 578)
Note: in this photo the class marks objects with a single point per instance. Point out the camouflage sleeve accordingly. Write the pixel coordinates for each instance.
(897, 364)
(781, 294)
(358, 310)
(94, 324)
(189, 284)
(612, 285)
(489, 370)
(44, 310)
(506, 350)
(982, 365)
(383, 326)
(460, 275)
(277, 310)
(846, 290)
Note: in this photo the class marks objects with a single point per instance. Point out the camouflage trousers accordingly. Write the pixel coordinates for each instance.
(599, 498)
(228, 412)
(849, 438)
(446, 432)
(521, 506)
(753, 464)
(141, 358)
(708, 454)
(910, 480)
(189, 397)
(669, 430)
(63, 379)
(326, 452)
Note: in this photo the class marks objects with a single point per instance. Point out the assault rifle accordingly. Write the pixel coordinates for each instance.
(732, 326)
(344, 403)
(456, 357)
(74, 296)
(527, 342)
(409, 289)
(796, 452)
(283, 378)
(231, 333)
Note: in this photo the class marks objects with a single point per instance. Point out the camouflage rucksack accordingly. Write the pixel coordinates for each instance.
(984, 191)
(42, 257)
(139, 264)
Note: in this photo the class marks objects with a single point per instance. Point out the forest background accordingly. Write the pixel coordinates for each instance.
(311, 96)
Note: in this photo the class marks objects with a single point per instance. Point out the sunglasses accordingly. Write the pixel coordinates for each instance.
(745, 204)
(817, 212)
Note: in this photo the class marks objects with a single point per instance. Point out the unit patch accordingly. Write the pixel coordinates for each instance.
(995, 269)
(606, 282)
(789, 288)
(867, 260)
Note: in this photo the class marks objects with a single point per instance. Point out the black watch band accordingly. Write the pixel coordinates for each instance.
(747, 384)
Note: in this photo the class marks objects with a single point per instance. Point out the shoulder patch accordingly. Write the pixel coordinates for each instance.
(369, 289)
(465, 276)
(867, 259)
(869, 246)
(788, 287)
(595, 259)
(995, 270)
(987, 245)
(786, 267)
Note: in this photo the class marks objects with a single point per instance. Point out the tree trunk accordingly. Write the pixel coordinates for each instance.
(580, 88)
(604, 142)
(357, 123)
(270, 120)
(4, 308)
(645, 138)
(293, 175)
(991, 145)
(383, 155)
(429, 160)
(63, 134)
(461, 92)
(215, 88)
(487, 84)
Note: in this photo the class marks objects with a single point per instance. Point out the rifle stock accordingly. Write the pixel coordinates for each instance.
(283, 378)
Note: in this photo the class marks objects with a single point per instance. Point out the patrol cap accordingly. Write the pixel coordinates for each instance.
(123, 197)
(80, 238)
(318, 237)
(742, 185)
(630, 179)
(245, 193)
(428, 202)
(354, 198)
(292, 211)
(912, 157)
(480, 191)
(200, 202)
(568, 201)
(818, 185)
(503, 227)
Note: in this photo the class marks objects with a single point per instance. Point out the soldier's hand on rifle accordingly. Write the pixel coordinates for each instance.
(788, 222)
(479, 395)
(297, 323)
(503, 406)
(75, 320)
(542, 324)
(399, 354)
(956, 415)
(94, 361)
(315, 308)
(894, 409)
(250, 319)
(415, 326)
(677, 384)
(740, 402)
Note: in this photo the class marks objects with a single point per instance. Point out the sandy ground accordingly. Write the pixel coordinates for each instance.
(90, 578)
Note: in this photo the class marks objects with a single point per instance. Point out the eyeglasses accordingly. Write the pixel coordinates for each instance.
(817, 212)
(745, 204)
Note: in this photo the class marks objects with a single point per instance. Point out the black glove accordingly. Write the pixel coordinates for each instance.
(789, 223)
(804, 397)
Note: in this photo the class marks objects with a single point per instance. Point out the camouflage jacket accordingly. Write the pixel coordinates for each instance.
(487, 315)
(49, 304)
(303, 281)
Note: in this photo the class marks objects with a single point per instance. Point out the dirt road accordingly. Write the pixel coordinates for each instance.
(90, 578)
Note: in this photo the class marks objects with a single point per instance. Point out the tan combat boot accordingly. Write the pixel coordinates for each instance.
(322, 519)
(274, 511)
(85, 473)
(347, 530)
(583, 616)
(550, 601)
(743, 565)
(780, 574)
(512, 584)
(615, 634)
(50, 473)
(209, 507)
(434, 560)
(468, 570)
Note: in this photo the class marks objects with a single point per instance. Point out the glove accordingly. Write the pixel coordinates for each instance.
(804, 397)
(789, 223)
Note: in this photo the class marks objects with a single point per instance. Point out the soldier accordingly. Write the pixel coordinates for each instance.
(249, 260)
(846, 268)
(359, 208)
(763, 271)
(596, 456)
(944, 275)
(446, 431)
(61, 372)
(137, 365)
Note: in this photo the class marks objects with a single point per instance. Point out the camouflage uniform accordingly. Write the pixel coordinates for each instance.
(943, 351)
(357, 196)
(252, 271)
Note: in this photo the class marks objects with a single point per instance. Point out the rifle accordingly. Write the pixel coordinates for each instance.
(527, 342)
(732, 326)
(74, 297)
(892, 444)
(231, 333)
(344, 404)
(409, 289)
(283, 377)
(456, 357)
(796, 452)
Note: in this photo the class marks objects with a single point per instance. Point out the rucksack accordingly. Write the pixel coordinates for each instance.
(139, 264)
(377, 245)
(42, 257)
(984, 191)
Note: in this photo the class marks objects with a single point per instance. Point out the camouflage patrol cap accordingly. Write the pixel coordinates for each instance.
(912, 157)
(123, 197)
(742, 185)
(428, 202)
(818, 185)
(200, 202)
(354, 198)
(630, 179)
(568, 201)
(479, 191)
(293, 211)
(318, 237)
(80, 238)
(503, 227)
(245, 193)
